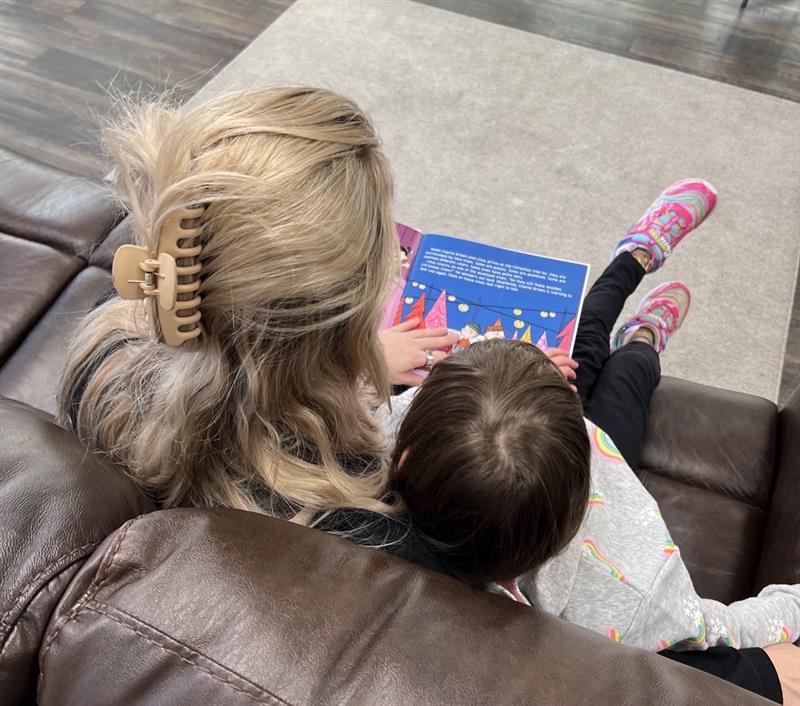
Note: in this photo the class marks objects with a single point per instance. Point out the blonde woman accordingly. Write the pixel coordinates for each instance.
(250, 388)
(264, 410)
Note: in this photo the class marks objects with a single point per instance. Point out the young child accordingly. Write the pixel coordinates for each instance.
(505, 480)
(512, 482)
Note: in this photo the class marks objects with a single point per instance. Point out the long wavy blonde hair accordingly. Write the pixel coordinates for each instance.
(298, 250)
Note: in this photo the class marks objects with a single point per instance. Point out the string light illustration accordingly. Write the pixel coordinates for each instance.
(465, 305)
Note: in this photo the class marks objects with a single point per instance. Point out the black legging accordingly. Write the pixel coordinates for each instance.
(615, 389)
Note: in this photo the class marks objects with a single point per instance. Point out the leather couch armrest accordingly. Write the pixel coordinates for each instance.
(709, 459)
(57, 503)
(780, 558)
(224, 606)
(52, 207)
(710, 438)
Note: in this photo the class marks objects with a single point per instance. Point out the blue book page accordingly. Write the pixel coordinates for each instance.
(485, 292)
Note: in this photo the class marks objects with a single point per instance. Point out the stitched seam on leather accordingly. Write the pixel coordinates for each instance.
(96, 608)
(91, 592)
(7, 621)
(665, 473)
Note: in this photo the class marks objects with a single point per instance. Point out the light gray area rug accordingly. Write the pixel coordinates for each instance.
(526, 142)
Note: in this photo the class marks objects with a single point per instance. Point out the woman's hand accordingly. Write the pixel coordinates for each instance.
(566, 366)
(404, 349)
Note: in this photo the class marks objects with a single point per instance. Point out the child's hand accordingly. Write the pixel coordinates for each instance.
(566, 366)
(404, 349)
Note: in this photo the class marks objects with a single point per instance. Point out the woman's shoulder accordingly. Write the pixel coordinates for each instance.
(393, 534)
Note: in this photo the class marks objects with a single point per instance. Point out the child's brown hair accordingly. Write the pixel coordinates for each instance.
(493, 460)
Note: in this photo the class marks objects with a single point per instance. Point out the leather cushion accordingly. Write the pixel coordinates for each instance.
(224, 606)
(719, 538)
(57, 503)
(57, 209)
(31, 374)
(33, 275)
(708, 458)
(711, 438)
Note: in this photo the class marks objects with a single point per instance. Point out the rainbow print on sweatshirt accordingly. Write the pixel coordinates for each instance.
(700, 639)
(592, 549)
(605, 446)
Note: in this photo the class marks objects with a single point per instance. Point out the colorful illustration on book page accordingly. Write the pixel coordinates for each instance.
(483, 292)
(408, 240)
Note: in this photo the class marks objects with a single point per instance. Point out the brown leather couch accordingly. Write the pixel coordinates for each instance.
(104, 600)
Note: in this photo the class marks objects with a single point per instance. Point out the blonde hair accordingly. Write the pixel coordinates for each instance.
(298, 250)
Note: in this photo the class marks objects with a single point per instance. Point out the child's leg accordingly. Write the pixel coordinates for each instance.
(750, 668)
(679, 209)
(602, 306)
(621, 396)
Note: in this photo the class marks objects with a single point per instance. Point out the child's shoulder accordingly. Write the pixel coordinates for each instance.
(603, 446)
(610, 471)
(390, 415)
(623, 528)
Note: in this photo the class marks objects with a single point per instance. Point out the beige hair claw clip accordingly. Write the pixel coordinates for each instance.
(138, 273)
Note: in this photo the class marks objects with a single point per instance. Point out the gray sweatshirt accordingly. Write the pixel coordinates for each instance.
(623, 576)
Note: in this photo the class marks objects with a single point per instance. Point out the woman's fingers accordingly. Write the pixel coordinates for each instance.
(431, 332)
(409, 325)
(441, 341)
(439, 356)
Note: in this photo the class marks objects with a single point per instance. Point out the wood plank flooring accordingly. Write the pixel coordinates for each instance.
(59, 58)
(757, 47)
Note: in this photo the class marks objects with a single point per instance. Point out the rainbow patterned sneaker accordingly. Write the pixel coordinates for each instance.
(662, 310)
(679, 209)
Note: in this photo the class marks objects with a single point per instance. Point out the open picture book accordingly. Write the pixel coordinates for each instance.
(484, 292)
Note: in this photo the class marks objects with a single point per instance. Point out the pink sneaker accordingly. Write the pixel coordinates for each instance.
(662, 310)
(679, 209)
